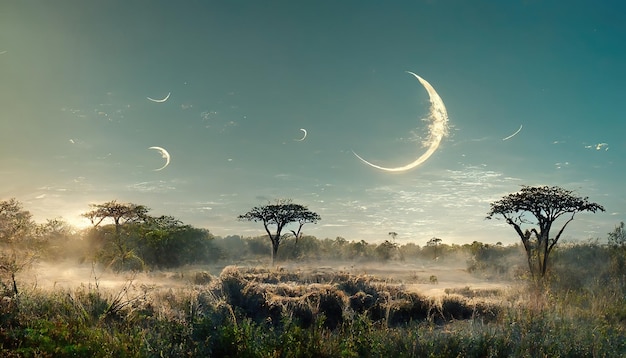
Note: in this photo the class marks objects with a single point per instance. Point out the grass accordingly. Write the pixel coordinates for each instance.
(261, 312)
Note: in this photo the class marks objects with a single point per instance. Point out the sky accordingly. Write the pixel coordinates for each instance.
(244, 77)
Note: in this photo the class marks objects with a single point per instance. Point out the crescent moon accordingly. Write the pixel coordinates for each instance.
(438, 128)
(514, 134)
(165, 155)
(301, 139)
(160, 100)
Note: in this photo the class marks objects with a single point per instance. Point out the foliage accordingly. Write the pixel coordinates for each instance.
(122, 216)
(56, 240)
(434, 243)
(540, 206)
(617, 238)
(165, 242)
(386, 250)
(277, 216)
(617, 243)
(126, 238)
(15, 223)
(494, 260)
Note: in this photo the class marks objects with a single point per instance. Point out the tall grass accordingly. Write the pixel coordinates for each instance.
(275, 313)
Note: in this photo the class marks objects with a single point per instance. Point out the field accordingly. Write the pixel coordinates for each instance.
(327, 309)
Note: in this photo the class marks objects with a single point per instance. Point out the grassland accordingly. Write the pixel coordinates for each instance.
(323, 311)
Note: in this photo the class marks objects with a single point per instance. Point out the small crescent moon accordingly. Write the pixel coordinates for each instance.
(165, 155)
(514, 134)
(160, 100)
(438, 128)
(301, 139)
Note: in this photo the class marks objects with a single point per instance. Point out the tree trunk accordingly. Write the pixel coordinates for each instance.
(545, 259)
(275, 243)
(529, 258)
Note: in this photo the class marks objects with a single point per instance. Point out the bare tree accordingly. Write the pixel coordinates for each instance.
(540, 207)
(276, 216)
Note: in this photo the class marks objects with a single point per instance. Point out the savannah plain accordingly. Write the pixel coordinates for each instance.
(165, 289)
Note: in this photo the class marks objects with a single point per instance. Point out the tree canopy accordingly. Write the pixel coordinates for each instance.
(15, 222)
(278, 215)
(130, 238)
(540, 206)
(119, 213)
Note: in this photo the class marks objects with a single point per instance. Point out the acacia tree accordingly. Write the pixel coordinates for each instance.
(540, 206)
(278, 215)
(120, 214)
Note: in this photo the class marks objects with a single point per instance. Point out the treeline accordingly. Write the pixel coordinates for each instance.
(310, 249)
(126, 237)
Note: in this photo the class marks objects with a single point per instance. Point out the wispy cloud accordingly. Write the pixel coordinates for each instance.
(598, 146)
(156, 186)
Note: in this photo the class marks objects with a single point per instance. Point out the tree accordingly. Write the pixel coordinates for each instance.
(617, 238)
(540, 206)
(165, 242)
(15, 222)
(16, 227)
(386, 250)
(56, 239)
(617, 251)
(277, 216)
(434, 242)
(121, 215)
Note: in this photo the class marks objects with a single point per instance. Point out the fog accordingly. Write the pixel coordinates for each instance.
(431, 278)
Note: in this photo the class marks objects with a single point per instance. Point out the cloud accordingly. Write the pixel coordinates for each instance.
(450, 204)
(598, 146)
(156, 186)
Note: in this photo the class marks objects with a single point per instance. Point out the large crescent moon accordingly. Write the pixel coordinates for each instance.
(437, 129)
(165, 155)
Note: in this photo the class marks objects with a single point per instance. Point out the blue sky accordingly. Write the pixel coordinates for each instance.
(245, 76)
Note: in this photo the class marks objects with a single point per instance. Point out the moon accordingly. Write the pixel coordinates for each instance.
(301, 139)
(514, 134)
(160, 100)
(437, 129)
(165, 155)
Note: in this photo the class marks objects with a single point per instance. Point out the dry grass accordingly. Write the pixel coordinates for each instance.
(267, 295)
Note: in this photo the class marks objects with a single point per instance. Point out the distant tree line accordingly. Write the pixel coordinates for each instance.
(124, 236)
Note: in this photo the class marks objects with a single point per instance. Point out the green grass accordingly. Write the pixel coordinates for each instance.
(241, 315)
